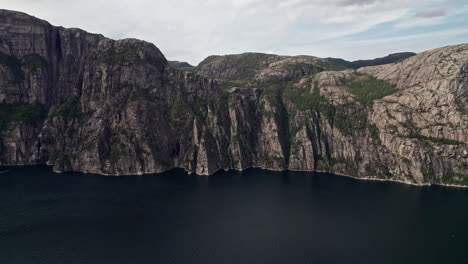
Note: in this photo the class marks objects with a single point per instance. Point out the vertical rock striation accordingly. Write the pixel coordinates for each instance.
(83, 102)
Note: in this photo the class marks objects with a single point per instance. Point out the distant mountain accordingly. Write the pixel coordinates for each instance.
(263, 67)
(269, 67)
(83, 102)
(181, 65)
(392, 58)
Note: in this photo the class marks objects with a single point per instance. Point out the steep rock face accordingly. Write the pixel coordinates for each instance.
(426, 121)
(86, 103)
(21, 145)
(107, 101)
(123, 122)
(43, 61)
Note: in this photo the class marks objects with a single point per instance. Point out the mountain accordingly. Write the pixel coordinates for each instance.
(263, 67)
(392, 58)
(181, 65)
(269, 67)
(82, 102)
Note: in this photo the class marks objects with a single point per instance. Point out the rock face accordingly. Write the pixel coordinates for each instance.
(83, 102)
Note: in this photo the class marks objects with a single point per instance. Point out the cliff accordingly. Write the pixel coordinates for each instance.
(83, 102)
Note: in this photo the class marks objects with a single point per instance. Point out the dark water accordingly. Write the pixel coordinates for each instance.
(250, 217)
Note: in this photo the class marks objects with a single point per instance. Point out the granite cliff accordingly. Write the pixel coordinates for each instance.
(83, 102)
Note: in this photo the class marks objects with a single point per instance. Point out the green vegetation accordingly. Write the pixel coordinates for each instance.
(128, 56)
(273, 93)
(247, 63)
(305, 68)
(368, 88)
(68, 110)
(428, 174)
(443, 141)
(118, 150)
(455, 178)
(267, 160)
(281, 162)
(14, 64)
(117, 147)
(347, 118)
(331, 65)
(182, 66)
(140, 94)
(350, 118)
(245, 66)
(304, 99)
(295, 146)
(373, 131)
(378, 170)
(222, 105)
(392, 58)
(227, 84)
(19, 113)
(392, 129)
(115, 155)
(294, 129)
(180, 109)
(34, 62)
(414, 132)
(349, 165)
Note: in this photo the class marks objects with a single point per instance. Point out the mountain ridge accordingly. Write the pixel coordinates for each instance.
(117, 107)
(391, 58)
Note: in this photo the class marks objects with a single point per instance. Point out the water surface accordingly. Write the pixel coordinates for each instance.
(251, 217)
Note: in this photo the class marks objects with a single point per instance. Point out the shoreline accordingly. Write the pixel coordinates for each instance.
(367, 178)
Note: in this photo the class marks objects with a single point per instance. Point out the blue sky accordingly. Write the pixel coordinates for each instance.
(192, 30)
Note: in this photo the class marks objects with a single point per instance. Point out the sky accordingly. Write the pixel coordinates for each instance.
(191, 30)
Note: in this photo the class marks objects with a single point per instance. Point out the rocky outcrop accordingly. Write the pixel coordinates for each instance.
(83, 102)
(107, 101)
(262, 67)
(266, 68)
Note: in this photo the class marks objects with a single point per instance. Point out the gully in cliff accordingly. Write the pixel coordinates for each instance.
(121, 109)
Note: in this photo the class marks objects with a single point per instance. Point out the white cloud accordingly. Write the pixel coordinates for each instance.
(191, 30)
(422, 36)
(431, 13)
(419, 22)
(244, 3)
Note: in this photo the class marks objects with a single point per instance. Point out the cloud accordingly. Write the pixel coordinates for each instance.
(431, 13)
(425, 18)
(191, 30)
(396, 39)
(409, 23)
(356, 2)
